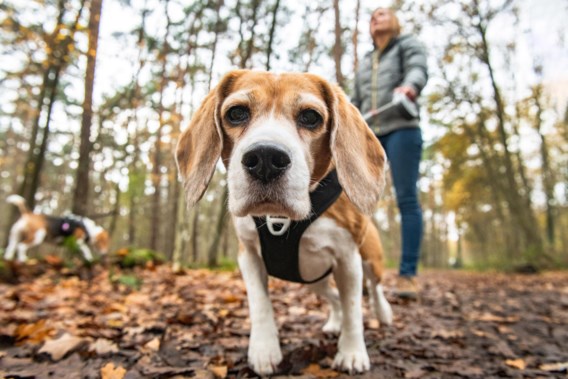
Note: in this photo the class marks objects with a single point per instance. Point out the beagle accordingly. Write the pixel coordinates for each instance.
(32, 229)
(287, 140)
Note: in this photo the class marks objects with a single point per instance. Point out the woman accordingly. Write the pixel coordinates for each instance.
(397, 68)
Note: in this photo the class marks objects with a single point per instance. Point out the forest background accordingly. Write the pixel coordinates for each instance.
(94, 94)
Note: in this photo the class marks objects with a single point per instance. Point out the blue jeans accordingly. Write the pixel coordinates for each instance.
(404, 150)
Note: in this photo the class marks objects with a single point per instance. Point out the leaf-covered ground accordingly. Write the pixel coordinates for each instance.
(95, 323)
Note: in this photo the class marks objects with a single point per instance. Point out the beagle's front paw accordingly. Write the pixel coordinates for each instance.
(264, 356)
(352, 361)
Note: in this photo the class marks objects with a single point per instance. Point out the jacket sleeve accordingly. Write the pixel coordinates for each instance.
(414, 62)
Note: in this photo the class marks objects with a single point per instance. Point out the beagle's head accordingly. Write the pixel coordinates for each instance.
(279, 135)
(102, 241)
(100, 238)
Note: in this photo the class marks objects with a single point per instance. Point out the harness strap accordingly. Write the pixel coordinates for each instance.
(281, 252)
(66, 226)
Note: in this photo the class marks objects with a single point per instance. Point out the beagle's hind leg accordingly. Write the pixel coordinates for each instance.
(11, 249)
(372, 253)
(16, 234)
(378, 302)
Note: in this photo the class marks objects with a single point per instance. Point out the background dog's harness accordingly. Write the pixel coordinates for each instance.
(66, 226)
(281, 252)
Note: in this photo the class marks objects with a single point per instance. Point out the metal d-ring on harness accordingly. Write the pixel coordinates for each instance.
(280, 237)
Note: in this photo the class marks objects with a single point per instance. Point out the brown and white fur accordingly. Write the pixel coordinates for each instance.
(278, 114)
(32, 229)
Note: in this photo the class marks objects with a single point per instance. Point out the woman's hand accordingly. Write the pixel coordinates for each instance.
(407, 91)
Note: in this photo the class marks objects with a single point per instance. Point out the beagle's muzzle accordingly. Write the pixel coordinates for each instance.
(279, 136)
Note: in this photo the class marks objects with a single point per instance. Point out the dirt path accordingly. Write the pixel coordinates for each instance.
(465, 326)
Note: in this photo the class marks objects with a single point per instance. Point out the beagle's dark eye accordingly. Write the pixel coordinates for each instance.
(238, 115)
(310, 119)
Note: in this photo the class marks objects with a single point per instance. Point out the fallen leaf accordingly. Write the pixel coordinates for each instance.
(446, 334)
(136, 298)
(121, 252)
(200, 374)
(116, 307)
(33, 333)
(58, 348)
(230, 298)
(73, 282)
(489, 317)
(318, 372)
(415, 374)
(219, 371)
(296, 311)
(111, 372)
(103, 346)
(223, 313)
(154, 344)
(555, 367)
(53, 260)
(373, 324)
(517, 363)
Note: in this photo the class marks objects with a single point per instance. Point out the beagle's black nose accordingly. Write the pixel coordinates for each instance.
(266, 162)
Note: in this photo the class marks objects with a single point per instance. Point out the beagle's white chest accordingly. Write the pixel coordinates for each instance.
(323, 243)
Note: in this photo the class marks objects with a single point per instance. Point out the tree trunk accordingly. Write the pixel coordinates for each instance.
(484, 142)
(181, 237)
(271, 34)
(157, 161)
(547, 176)
(134, 100)
(81, 194)
(39, 158)
(215, 41)
(524, 215)
(308, 36)
(172, 230)
(338, 46)
(179, 231)
(355, 37)
(29, 168)
(195, 234)
(245, 53)
(212, 254)
(115, 211)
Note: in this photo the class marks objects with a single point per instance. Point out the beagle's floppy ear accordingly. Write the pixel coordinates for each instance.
(358, 155)
(201, 144)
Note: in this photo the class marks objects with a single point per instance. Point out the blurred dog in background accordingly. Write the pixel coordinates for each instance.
(32, 229)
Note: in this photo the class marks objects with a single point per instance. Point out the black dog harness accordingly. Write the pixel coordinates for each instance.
(66, 226)
(281, 252)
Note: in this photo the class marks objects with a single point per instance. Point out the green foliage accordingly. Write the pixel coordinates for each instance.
(224, 264)
(130, 281)
(70, 243)
(132, 257)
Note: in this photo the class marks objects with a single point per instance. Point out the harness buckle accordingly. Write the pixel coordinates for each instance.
(271, 221)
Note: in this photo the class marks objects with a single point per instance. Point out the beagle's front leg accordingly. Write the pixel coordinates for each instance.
(264, 353)
(351, 350)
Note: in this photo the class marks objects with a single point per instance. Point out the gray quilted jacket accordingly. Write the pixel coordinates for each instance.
(402, 62)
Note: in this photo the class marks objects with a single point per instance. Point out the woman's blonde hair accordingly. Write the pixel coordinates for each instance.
(395, 21)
